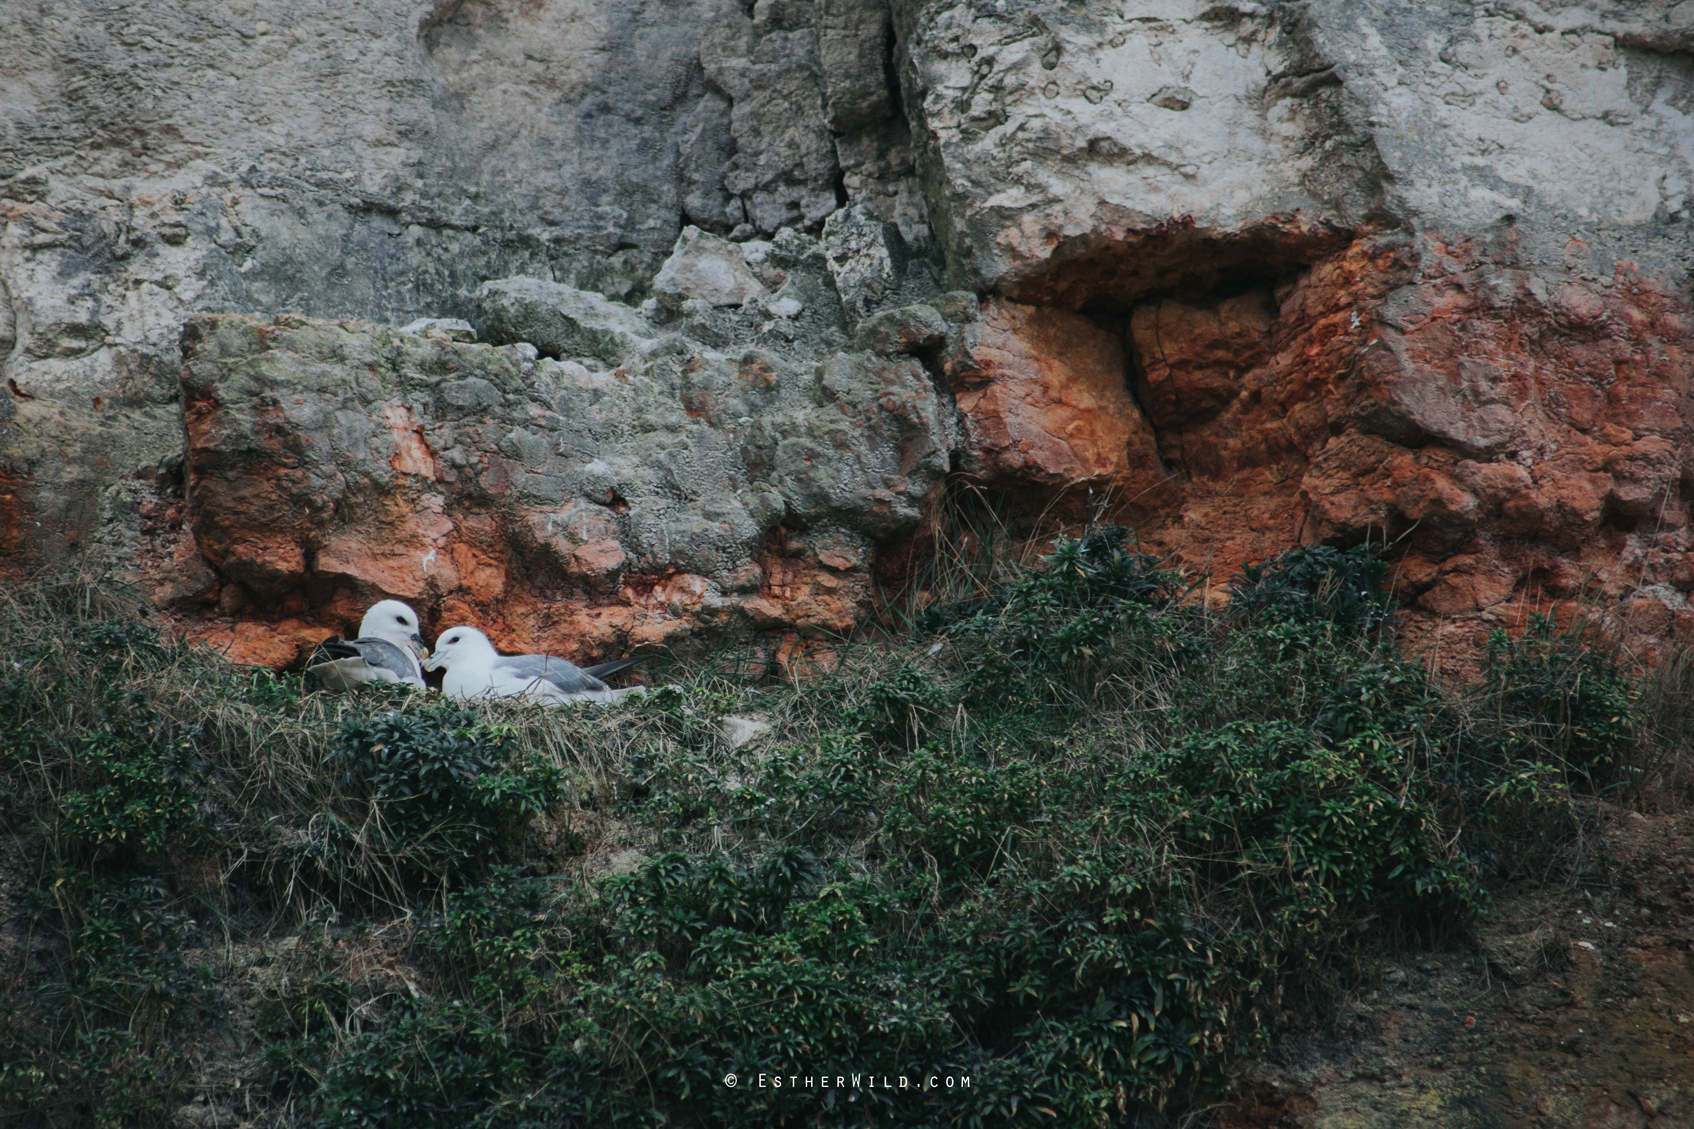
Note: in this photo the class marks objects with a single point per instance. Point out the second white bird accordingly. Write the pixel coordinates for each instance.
(476, 670)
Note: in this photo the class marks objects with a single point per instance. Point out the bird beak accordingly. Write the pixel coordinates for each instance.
(418, 645)
(433, 662)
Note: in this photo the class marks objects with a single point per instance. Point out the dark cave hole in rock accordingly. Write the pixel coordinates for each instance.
(1098, 275)
(1196, 312)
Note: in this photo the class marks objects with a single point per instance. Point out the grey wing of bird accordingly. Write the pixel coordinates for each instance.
(567, 676)
(379, 654)
(603, 670)
(382, 653)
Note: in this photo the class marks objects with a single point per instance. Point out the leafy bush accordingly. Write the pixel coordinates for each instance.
(902, 707)
(1568, 699)
(133, 781)
(436, 790)
(500, 938)
(1302, 825)
(960, 815)
(1322, 584)
(1076, 852)
(1099, 570)
(129, 997)
(430, 1063)
(1096, 614)
(125, 778)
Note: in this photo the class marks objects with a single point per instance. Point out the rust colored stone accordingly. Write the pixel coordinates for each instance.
(1042, 398)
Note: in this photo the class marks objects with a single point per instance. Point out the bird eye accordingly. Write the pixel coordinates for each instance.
(399, 619)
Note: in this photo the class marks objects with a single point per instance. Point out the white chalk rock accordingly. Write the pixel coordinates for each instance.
(742, 731)
(706, 268)
(454, 329)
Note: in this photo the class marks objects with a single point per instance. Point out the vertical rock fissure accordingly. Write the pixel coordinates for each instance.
(1176, 398)
(1135, 370)
(14, 329)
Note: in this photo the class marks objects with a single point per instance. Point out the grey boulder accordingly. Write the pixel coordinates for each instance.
(560, 321)
(708, 269)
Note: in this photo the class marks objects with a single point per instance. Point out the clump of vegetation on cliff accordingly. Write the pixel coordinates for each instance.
(1075, 844)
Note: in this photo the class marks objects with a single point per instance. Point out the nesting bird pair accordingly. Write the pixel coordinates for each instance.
(390, 649)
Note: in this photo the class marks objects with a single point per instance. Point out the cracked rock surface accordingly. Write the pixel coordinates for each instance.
(1259, 275)
(686, 489)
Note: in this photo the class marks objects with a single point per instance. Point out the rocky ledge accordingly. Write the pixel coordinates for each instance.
(1246, 276)
(754, 466)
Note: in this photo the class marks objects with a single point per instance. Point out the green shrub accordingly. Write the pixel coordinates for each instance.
(959, 815)
(436, 790)
(125, 992)
(132, 780)
(1096, 615)
(903, 707)
(812, 794)
(1301, 824)
(1077, 851)
(501, 939)
(1322, 584)
(1568, 700)
(431, 1062)
(120, 777)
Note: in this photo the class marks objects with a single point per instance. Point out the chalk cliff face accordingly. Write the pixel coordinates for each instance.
(1256, 275)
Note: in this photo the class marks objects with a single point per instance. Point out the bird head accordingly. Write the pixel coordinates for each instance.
(460, 644)
(395, 622)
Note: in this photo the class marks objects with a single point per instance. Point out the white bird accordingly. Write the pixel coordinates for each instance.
(387, 650)
(476, 670)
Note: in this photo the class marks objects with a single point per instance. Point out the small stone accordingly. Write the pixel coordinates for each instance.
(742, 233)
(28, 187)
(742, 731)
(911, 330)
(959, 306)
(195, 1115)
(865, 256)
(453, 329)
(1173, 98)
(560, 321)
(784, 307)
(597, 560)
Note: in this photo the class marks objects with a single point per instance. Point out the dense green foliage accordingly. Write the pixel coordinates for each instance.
(435, 788)
(1073, 846)
(1571, 701)
(1316, 585)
